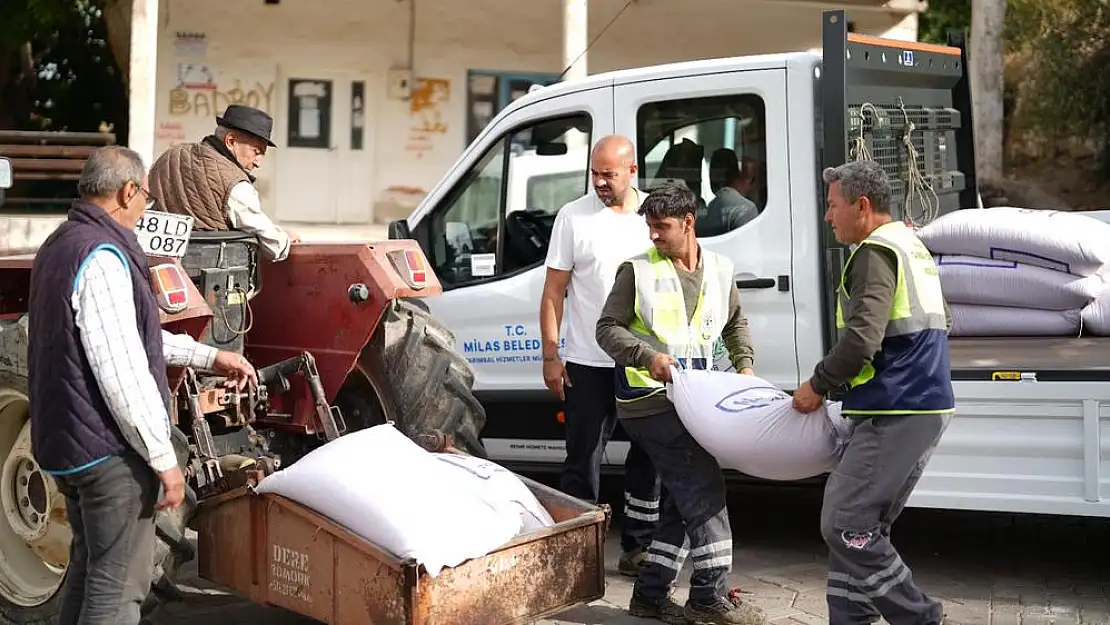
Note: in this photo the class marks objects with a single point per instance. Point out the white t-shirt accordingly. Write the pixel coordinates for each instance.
(591, 240)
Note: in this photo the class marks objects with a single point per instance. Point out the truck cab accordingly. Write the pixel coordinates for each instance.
(903, 104)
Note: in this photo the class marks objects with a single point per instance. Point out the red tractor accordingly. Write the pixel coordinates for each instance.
(341, 341)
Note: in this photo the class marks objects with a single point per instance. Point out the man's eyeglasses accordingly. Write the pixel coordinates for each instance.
(150, 199)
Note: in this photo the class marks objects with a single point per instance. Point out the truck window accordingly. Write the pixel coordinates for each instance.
(717, 146)
(497, 221)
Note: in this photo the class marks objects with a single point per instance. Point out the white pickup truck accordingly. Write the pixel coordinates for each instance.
(1032, 431)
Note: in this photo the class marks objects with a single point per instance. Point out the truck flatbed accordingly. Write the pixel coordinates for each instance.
(1060, 358)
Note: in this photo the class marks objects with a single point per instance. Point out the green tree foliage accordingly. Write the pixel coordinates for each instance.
(56, 69)
(1062, 50)
(942, 17)
(1058, 64)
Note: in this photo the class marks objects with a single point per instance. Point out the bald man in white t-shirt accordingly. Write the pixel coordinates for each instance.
(591, 237)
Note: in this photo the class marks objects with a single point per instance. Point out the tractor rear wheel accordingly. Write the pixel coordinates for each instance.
(410, 373)
(34, 527)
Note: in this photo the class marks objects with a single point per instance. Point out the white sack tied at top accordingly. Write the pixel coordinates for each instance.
(382, 486)
(750, 425)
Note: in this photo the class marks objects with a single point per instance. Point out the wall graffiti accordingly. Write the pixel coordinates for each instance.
(172, 132)
(427, 107)
(210, 101)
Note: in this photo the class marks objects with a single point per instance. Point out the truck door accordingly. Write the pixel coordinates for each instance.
(692, 128)
(485, 231)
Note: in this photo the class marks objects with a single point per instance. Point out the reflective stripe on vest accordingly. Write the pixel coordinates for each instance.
(910, 374)
(660, 317)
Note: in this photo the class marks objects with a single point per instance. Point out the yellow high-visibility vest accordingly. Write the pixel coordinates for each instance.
(661, 317)
(910, 374)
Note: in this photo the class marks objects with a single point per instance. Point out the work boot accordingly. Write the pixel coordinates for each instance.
(666, 609)
(629, 564)
(722, 612)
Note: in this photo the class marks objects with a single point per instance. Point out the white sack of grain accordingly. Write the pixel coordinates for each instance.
(972, 320)
(1058, 240)
(990, 282)
(382, 486)
(750, 425)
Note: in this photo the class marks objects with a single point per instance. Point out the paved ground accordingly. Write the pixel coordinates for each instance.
(988, 569)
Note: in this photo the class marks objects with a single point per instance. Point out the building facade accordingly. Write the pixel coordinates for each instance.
(373, 100)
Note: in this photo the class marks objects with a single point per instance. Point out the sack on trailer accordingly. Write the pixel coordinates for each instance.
(986, 321)
(750, 425)
(385, 488)
(992, 282)
(501, 488)
(1062, 241)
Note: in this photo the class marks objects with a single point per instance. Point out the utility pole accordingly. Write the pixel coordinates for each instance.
(986, 57)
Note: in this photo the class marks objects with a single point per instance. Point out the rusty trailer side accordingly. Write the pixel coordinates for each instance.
(277, 552)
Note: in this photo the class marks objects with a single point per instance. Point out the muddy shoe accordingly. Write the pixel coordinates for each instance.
(666, 610)
(630, 562)
(724, 613)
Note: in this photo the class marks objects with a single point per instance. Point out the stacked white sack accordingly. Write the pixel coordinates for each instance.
(383, 487)
(1009, 271)
(749, 425)
(1006, 298)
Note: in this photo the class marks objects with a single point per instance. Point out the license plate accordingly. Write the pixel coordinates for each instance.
(164, 234)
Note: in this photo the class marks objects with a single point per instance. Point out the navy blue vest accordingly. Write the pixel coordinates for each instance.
(71, 425)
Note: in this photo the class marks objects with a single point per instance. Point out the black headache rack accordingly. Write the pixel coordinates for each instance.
(877, 98)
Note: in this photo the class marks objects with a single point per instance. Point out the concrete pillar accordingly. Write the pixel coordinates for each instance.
(143, 78)
(576, 32)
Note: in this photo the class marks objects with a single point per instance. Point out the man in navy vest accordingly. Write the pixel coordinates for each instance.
(98, 392)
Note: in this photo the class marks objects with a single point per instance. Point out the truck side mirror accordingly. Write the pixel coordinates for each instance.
(399, 229)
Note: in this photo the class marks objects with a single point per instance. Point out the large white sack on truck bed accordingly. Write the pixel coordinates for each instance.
(989, 282)
(1096, 315)
(1069, 242)
(385, 488)
(971, 320)
(750, 425)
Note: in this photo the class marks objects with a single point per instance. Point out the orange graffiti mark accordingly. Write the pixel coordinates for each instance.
(426, 105)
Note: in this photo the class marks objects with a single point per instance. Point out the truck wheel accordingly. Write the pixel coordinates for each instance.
(410, 373)
(34, 528)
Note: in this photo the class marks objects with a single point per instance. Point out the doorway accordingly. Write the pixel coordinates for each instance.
(324, 169)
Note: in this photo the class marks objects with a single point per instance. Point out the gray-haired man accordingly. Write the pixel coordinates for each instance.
(892, 359)
(98, 391)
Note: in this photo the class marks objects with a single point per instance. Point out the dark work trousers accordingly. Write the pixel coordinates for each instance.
(591, 417)
(694, 521)
(111, 512)
(881, 465)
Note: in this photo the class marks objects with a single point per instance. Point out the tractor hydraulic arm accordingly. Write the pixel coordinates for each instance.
(277, 374)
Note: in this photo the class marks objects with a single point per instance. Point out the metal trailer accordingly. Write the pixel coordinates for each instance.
(276, 552)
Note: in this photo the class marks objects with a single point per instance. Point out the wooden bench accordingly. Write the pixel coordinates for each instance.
(46, 166)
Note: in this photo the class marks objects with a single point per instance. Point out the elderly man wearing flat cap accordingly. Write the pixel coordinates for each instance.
(211, 180)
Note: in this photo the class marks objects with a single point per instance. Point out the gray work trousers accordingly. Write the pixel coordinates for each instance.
(881, 465)
(111, 512)
(694, 507)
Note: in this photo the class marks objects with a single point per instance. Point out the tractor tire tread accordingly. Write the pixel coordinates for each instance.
(423, 382)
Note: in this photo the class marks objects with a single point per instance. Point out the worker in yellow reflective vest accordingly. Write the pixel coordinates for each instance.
(668, 307)
(891, 361)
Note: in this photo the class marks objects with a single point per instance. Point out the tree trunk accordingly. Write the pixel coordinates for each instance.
(987, 47)
(117, 20)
